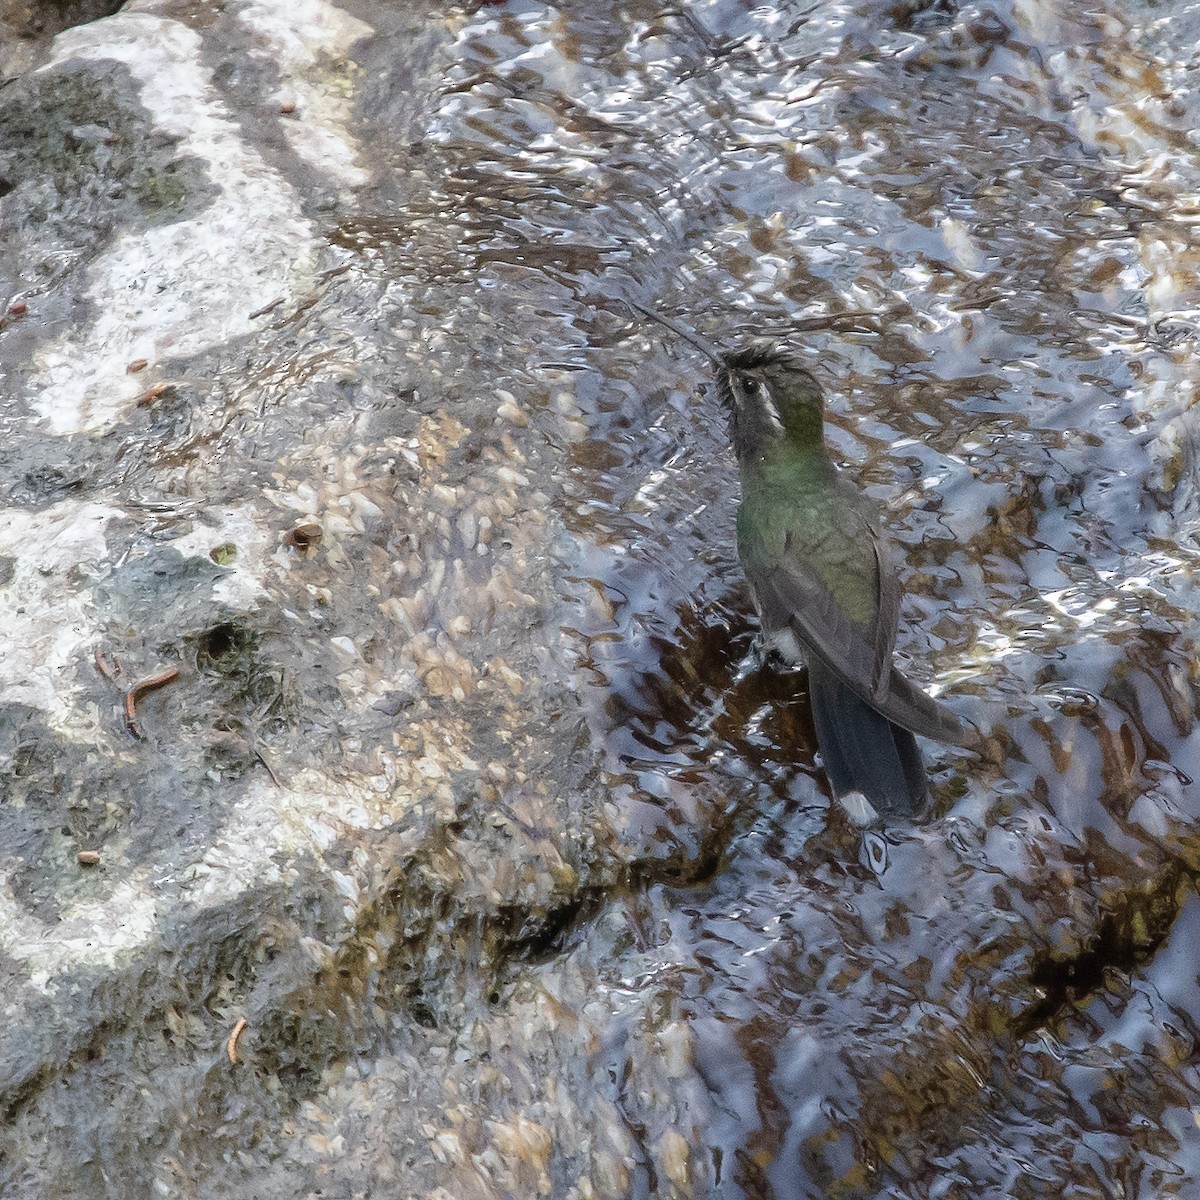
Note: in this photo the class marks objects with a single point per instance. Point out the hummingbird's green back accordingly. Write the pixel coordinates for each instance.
(797, 509)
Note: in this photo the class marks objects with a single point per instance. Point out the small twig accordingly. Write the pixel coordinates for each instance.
(231, 1045)
(262, 758)
(148, 397)
(834, 319)
(266, 308)
(108, 665)
(136, 692)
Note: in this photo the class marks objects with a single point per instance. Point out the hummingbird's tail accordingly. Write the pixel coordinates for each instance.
(862, 750)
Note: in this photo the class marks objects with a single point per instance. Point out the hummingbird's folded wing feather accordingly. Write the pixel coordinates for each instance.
(851, 623)
(790, 595)
(917, 711)
(887, 613)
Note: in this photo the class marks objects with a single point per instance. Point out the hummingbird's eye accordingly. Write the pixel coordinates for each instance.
(750, 385)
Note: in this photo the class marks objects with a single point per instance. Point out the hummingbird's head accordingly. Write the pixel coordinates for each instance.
(770, 397)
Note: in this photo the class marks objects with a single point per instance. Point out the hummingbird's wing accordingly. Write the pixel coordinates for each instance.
(895, 695)
(830, 580)
(848, 622)
(917, 711)
(882, 634)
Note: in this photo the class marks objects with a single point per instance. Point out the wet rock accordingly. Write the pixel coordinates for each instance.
(26, 26)
(468, 851)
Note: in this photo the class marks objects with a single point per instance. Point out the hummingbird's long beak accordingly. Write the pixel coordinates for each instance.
(692, 339)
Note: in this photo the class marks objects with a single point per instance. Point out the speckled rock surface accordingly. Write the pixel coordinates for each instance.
(388, 805)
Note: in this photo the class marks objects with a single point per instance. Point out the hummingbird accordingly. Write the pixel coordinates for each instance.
(824, 584)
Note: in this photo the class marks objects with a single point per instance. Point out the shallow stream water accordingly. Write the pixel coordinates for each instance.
(1005, 189)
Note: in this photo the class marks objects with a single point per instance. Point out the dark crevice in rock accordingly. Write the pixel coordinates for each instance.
(420, 950)
(699, 868)
(538, 939)
(21, 1094)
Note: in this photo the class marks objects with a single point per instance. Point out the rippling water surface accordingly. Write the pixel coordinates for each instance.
(935, 1011)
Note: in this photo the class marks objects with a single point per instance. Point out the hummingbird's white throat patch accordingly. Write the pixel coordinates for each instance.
(761, 398)
(772, 412)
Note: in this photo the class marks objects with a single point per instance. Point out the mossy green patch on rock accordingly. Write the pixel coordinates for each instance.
(79, 156)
